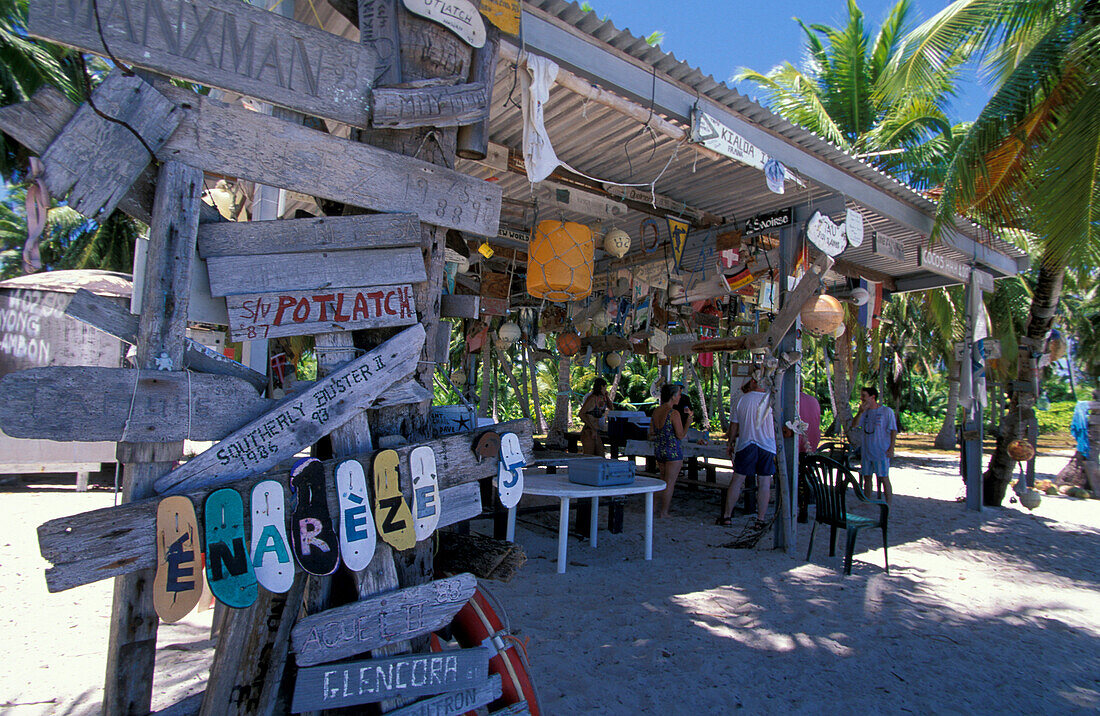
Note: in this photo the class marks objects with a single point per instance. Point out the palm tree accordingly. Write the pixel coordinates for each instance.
(840, 94)
(1031, 161)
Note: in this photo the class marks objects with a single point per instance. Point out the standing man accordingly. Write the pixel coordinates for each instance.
(752, 448)
(879, 429)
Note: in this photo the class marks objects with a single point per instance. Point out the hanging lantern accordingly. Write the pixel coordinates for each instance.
(568, 343)
(821, 315)
(509, 333)
(613, 360)
(458, 377)
(601, 321)
(560, 261)
(616, 243)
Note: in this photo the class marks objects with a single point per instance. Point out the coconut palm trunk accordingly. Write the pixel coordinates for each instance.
(947, 437)
(1021, 405)
(842, 387)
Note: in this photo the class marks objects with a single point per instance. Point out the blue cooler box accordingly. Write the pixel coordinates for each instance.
(601, 473)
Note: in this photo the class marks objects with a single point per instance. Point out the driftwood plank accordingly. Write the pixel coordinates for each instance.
(364, 682)
(114, 541)
(361, 626)
(456, 702)
(302, 419)
(223, 139)
(458, 306)
(122, 404)
(302, 313)
(378, 28)
(313, 271)
(224, 44)
(438, 106)
(94, 160)
(322, 233)
(111, 318)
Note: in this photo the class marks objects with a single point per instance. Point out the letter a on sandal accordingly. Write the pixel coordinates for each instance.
(357, 535)
(391, 512)
(311, 531)
(270, 548)
(178, 583)
(228, 565)
(510, 473)
(425, 491)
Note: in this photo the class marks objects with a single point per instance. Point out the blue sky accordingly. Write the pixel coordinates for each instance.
(721, 36)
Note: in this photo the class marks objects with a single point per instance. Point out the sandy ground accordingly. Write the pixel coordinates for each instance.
(980, 613)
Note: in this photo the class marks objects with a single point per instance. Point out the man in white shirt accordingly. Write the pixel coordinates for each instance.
(752, 448)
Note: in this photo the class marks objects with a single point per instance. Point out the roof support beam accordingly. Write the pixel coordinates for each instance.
(576, 51)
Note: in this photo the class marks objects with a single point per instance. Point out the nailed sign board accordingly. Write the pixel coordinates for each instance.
(364, 682)
(714, 135)
(769, 221)
(937, 263)
(321, 233)
(439, 106)
(312, 271)
(365, 625)
(505, 14)
(883, 245)
(225, 44)
(658, 201)
(378, 28)
(458, 16)
(983, 280)
(123, 404)
(570, 199)
(456, 702)
(302, 419)
(853, 225)
(248, 145)
(301, 313)
(825, 235)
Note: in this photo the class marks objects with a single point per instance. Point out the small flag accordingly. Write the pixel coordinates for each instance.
(678, 233)
(869, 312)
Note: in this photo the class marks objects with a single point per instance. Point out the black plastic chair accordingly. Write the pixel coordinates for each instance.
(828, 481)
(838, 450)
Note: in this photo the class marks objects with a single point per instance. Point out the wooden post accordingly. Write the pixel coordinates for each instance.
(540, 421)
(1092, 470)
(556, 438)
(133, 640)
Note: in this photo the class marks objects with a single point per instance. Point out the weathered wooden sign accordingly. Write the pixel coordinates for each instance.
(391, 509)
(177, 585)
(220, 43)
(365, 625)
(456, 702)
(229, 570)
(357, 534)
(107, 316)
(883, 245)
(94, 160)
(313, 271)
(826, 235)
(270, 548)
(104, 543)
(301, 419)
(944, 266)
(364, 682)
(570, 199)
(322, 233)
(769, 221)
(853, 227)
(425, 501)
(227, 140)
(124, 404)
(505, 14)
(714, 135)
(644, 196)
(300, 313)
(434, 106)
(378, 28)
(459, 16)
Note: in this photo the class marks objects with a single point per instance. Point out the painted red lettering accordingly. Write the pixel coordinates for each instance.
(338, 316)
(301, 311)
(376, 296)
(389, 300)
(360, 307)
(285, 302)
(323, 299)
(406, 302)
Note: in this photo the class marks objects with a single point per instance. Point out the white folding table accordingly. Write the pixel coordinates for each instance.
(558, 485)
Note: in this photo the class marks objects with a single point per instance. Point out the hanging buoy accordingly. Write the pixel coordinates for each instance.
(613, 360)
(821, 315)
(458, 377)
(560, 261)
(509, 333)
(568, 344)
(616, 243)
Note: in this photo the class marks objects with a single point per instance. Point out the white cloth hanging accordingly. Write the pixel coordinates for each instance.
(536, 80)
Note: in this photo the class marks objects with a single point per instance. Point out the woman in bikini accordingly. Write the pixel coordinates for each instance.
(666, 429)
(593, 408)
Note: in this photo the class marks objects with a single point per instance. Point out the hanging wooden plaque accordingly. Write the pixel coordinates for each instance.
(256, 316)
(458, 16)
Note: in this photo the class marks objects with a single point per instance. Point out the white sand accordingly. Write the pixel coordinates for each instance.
(980, 613)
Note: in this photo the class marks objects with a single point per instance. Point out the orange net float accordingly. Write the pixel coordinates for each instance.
(568, 344)
(559, 261)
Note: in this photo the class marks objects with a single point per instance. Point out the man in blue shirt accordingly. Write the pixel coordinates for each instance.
(879, 430)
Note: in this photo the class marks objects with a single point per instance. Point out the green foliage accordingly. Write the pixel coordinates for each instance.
(1056, 419)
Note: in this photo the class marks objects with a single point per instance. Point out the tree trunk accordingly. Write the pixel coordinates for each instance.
(509, 373)
(1021, 405)
(947, 438)
(540, 421)
(556, 438)
(486, 378)
(842, 389)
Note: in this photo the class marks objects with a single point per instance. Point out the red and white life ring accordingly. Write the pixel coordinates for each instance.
(482, 622)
